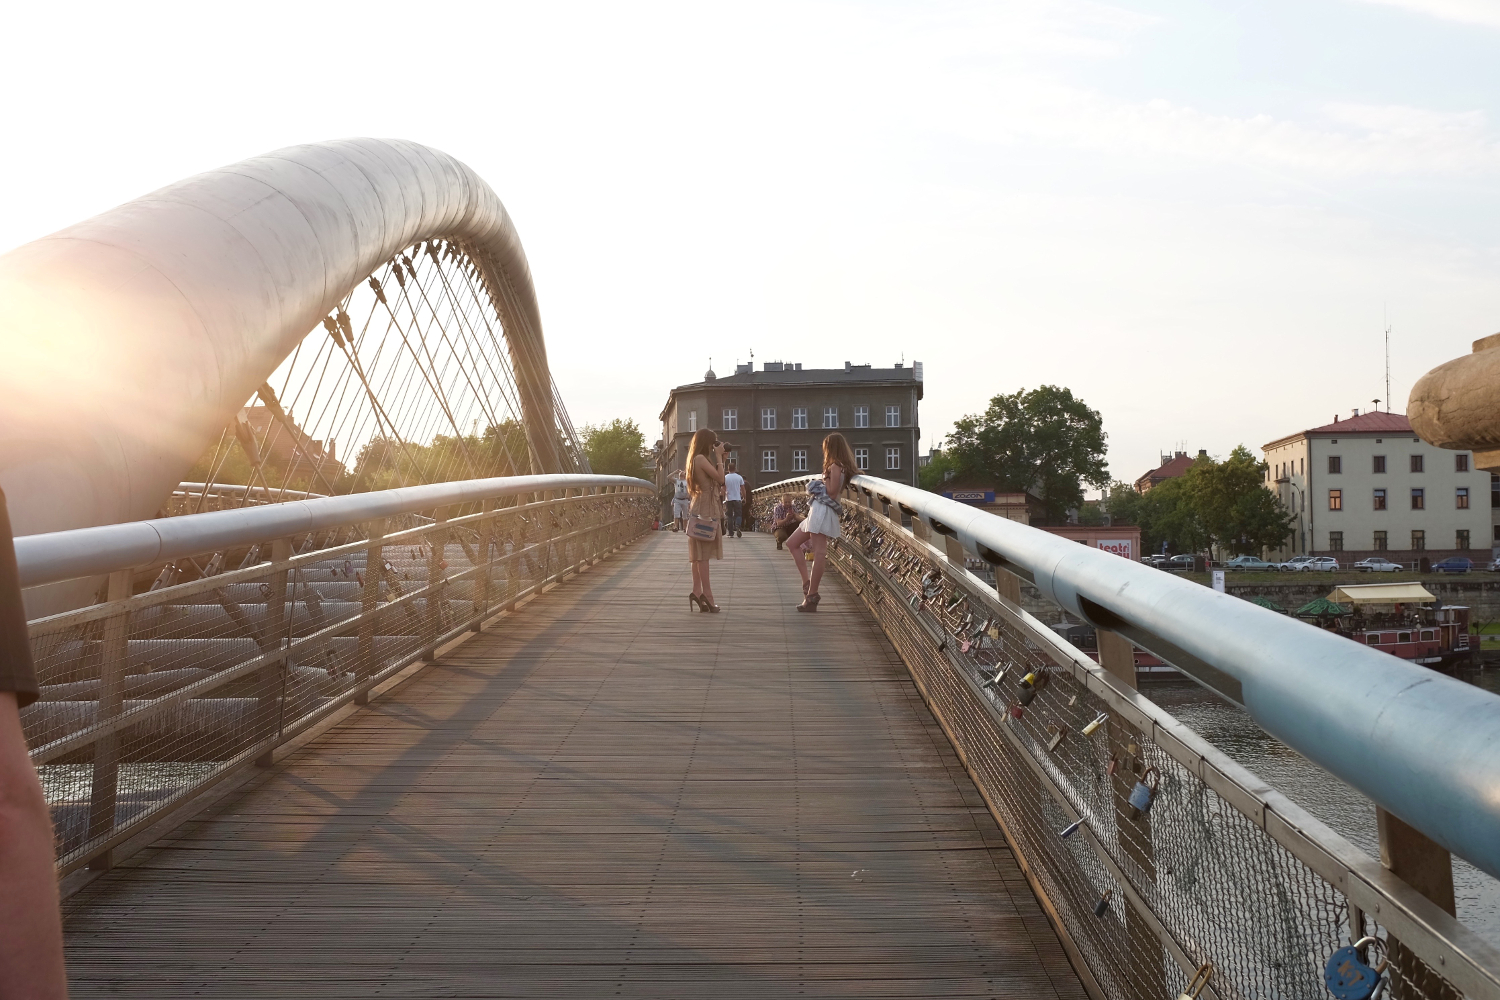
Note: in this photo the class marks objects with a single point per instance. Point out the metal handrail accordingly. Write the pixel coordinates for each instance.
(80, 552)
(1422, 745)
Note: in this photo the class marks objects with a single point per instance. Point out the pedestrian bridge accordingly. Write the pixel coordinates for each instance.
(342, 696)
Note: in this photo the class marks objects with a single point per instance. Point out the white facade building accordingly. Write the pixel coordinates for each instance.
(1368, 486)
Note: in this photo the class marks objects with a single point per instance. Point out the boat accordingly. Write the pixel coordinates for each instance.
(1403, 619)
(1147, 665)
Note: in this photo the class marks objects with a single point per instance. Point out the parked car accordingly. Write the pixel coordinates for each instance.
(1295, 563)
(1250, 562)
(1375, 564)
(1181, 563)
(1158, 560)
(1453, 564)
(1494, 566)
(1319, 564)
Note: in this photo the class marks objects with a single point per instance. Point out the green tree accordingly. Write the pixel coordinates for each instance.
(1044, 440)
(1222, 504)
(935, 473)
(617, 448)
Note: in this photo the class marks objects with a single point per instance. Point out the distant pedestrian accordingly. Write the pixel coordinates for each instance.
(734, 485)
(680, 499)
(705, 514)
(823, 512)
(784, 518)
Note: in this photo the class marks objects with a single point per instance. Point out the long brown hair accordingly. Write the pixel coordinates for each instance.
(836, 449)
(702, 444)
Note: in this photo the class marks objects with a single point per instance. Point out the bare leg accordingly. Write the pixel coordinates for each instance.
(708, 594)
(820, 556)
(797, 546)
(697, 576)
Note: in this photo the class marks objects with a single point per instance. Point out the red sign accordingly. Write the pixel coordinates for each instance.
(1119, 546)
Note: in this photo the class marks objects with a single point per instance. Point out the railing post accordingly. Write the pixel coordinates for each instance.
(369, 602)
(437, 548)
(486, 563)
(274, 629)
(1427, 867)
(104, 786)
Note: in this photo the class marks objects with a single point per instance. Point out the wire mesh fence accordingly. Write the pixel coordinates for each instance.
(1154, 852)
(148, 698)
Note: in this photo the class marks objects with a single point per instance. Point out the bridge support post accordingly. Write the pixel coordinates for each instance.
(437, 547)
(105, 784)
(364, 664)
(275, 628)
(486, 563)
(1427, 867)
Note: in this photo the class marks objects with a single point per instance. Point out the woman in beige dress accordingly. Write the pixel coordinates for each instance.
(705, 460)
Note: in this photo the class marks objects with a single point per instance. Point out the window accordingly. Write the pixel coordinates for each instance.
(692, 420)
(1460, 463)
(1418, 540)
(861, 416)
(830, 416)
(1403, 637)
(1336, 541)
(799, 456)
(768, 461)
(1494, 490)
(799, 418)
(1335, 499)
(1461, 538)
(1380, 543)
(731, 420)
(1461, 498)
(1427, 634)
(1418, 500)
(893, 416)
(892, 458)
(1379, 464)
(1335, 465)
(862, 459)
(1380, 499)
(1372, 639)
(1416, 463)
(767, 418)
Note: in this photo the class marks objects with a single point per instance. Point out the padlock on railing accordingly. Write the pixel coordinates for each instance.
(1070, 829)
(1059, 732)
(1015, 710)
(1144, 793)
(995, 680)
(1093, 727)
(1349, 976)
(1196, 985)
(1112, 766)
(1102, 907)
(1031, 684)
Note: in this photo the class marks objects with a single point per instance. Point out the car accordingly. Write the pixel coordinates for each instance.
(1453, 564)
(1319, 564)
(1159, 560)
(1375, 564)
(1295, 563)
(1494, 566)
(1251, 563)
(1182, 563)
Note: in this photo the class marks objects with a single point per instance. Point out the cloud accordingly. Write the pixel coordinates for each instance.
(1481, 12)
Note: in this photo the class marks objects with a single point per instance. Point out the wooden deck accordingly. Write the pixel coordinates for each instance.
(605, 795)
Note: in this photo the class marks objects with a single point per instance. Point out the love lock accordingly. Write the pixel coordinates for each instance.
(1016, 711)
(1144, 793)
(1350, 977)
(995, 680)
(1102, 907)
(1058, 731)
(1093, 727)
(1113, 765)
(1199, 981)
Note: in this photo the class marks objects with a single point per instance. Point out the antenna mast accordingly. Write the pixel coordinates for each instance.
(1387, 367)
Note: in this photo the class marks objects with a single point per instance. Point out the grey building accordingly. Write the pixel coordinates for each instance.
(777, 418)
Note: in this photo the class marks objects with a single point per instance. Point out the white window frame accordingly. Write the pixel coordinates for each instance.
(799, 459)
(768, 418)
(830, 416)
(862, 459)
(731, 419)
(768, 460)
(893, 416)
(692, 421)
(799, 418)
(861, 416)
(892, 459)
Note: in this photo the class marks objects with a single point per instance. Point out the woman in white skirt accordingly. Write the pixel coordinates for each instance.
(822, 522)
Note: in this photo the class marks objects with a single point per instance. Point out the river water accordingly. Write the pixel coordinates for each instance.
(1231, 729)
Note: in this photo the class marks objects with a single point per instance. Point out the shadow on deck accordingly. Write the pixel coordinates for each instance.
(604, 795)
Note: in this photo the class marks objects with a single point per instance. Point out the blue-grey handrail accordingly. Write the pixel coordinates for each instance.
(1423, 745)
(68, 555)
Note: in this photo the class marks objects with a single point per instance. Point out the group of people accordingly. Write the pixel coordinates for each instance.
(709, 504)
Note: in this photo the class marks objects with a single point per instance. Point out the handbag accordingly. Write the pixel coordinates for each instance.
(702, 529)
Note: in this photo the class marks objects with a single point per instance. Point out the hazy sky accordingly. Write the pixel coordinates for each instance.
(1193, 214)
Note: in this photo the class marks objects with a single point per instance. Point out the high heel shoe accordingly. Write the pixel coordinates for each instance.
(694, 601)
(810, 602)
(714, 608)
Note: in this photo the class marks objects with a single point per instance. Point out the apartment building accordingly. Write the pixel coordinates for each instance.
(1368, 486)
(777, 418)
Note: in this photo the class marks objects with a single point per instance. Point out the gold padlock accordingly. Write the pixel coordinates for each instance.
(1199, 981)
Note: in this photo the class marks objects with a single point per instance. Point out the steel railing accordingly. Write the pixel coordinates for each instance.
(152, 696)
(1222, 869)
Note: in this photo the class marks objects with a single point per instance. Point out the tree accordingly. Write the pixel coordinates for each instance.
(935, 473)
(617, 448)
(1222, 504)
(1044, 441)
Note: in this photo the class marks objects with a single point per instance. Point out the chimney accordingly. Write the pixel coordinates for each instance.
(1202, 453)
(1356, 411)
(847, 366)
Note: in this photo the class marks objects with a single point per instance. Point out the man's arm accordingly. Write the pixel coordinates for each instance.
(31, 950)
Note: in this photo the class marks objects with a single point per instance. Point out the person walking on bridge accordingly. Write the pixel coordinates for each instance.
(734, 512)
(823, 512)
(704, 460)
(680, 499)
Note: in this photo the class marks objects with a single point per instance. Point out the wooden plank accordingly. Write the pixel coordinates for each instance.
(611, 795)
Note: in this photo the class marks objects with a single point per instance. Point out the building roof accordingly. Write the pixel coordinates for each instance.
(1171, 469)
(1373, 422)
(1383, 593)
(812, 376)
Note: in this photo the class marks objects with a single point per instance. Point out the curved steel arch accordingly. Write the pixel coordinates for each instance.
(131, 338)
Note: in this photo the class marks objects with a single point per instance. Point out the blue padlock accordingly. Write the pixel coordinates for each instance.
(1144, 793)
(1350, 977)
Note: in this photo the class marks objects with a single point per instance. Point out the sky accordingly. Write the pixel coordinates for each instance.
(1198, 216)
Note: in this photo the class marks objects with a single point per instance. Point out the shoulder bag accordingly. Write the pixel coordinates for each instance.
(702, 529)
